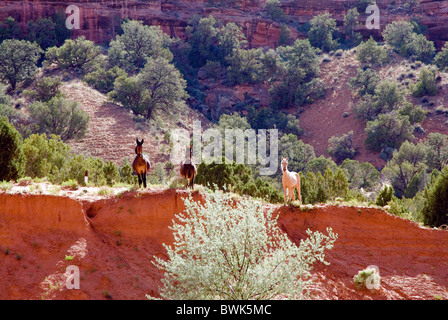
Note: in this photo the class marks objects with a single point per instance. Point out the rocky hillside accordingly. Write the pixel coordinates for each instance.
(112, 239)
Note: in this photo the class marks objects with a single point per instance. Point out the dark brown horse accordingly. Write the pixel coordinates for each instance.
(141, 164)
(188, 169)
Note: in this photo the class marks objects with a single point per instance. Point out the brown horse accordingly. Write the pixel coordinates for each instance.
(188, 169)
(141, 164)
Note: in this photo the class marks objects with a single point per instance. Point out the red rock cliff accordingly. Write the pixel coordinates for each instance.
(99, 19)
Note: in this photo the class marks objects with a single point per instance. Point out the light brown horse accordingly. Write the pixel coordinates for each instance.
(188, 169)
(141, 164)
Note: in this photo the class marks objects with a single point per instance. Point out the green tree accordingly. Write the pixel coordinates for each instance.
(360, 175)
(136, 44)
(365, 81)
(398, 34)
(274, 11)
(341, 147)
(230, 39)
(385, 196)
(406, 169)
(437, 151)
(163, 83)
(43, 32)
(79, 55)
(388, 130)
(44, 157)
(61, 117)
(320, 164)
(237, 252)
(321, 32)
(420, 48)
(284, 37)
(426, 84)
(298, 66)
(44, 89)
(203, 36)
(18, 59)
(387, 97)
(371, 52)
(10, 29)
(158, 85)
(416, 114)
(12, 159)
(435, 209)
(441, 58)
(401, 36)
(350, 23)
(103, 79)
(245, 66)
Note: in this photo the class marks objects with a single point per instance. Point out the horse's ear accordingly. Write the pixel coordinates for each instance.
(286, 158)
(136, 140)
(142, 141)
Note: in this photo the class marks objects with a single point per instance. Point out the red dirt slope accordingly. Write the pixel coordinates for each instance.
(113, 241)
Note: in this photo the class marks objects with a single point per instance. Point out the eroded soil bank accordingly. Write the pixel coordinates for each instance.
(113, 241)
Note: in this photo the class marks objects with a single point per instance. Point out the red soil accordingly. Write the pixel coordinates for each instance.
(113, 241)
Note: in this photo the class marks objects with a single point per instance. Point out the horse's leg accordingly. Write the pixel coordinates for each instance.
(284, 192)
(192, 181)
(139, 180)
(144, 179)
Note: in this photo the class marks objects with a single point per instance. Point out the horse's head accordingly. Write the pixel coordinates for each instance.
(139, 148)
(284, 164)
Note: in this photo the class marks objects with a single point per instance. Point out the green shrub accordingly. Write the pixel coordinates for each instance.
(388, 130)
(441, 59)
(365, 81)
(19, 61)
(321, 32)
(158, 85)
(103, 79)
(274, 10)
(44, 89)
(385, 196)
(341, 147)
(61, 117)
(136, 44)
(228, 248)
(370, 52)
(70, 184)
(320, 188)
(237, 178)
(435, 210)
(52, 158)
(426, 84)
(406, 169)
(12, 159)
(79, 55)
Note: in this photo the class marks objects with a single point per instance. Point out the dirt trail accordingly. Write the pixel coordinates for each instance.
(113, 241)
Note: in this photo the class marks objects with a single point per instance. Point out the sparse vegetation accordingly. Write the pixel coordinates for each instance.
(237, 252)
